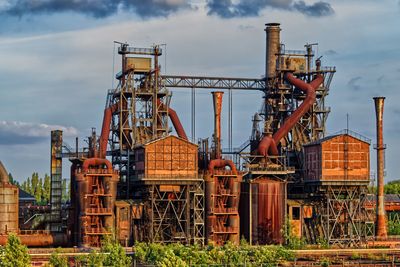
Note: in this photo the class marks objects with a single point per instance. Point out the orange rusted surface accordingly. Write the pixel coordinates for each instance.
(167, 157)
(337, 158)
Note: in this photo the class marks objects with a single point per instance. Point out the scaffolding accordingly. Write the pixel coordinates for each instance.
(56, 180)
(342, 214)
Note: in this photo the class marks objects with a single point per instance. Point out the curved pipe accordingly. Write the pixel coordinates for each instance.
(268, 144)
(105, 129)
(175, 121)
(96, 162)
(221, 163)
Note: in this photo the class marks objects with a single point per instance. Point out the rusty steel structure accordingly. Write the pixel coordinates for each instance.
(156, 170)
(381, 228)
(222, 188)
(161, 187)
(56, 180)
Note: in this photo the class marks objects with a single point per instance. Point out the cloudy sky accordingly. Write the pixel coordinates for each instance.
(56, 63)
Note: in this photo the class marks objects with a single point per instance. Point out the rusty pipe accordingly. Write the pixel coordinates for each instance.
(217, 101)
(38, 240)
(175, 121)
(221, 163)
(4, 179)
(269, 144)
(381, 231)
(105, 129)
(96, 162)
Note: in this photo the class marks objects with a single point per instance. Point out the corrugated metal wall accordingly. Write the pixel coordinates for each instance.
(262, 211)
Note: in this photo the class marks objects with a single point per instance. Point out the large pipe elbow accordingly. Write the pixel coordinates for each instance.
(180, 131)
(177, 123)
(221, 163)
(105, 129)
(268, 145)
(96, 162)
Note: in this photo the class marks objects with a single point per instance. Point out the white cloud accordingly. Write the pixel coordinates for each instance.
(16, 132)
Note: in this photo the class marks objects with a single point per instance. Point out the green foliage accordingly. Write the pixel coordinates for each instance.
(12, 181)
(40, 188)
(94, 259)
(57, 260)
(393, 226)
(179, 255)
(65, 190)
(392, 187)
(14, 254)
(292, 241)
(114, 254)
(46, 188)
(322, 242)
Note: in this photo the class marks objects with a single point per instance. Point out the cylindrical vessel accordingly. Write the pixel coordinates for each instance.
(8, 208)
(39, 239)
(272, 49)
(381, 231)
(217, 100)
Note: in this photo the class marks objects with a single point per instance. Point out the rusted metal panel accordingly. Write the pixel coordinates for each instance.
(123, 222)
(170, 157)
(340, 158)
(262, 208)
(138, 64)
(170, 188)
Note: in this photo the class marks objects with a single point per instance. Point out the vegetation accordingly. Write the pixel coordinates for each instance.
(57, 260)
(292, 241)
(40, 188)
(180, 255)
(392, 187)
(111, 254)
(12, 180)
(14, 254)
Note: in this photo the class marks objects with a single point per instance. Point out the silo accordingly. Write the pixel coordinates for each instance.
(8, 203)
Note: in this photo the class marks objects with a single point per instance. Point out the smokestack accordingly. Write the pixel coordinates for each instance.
(272, 49)
(381, 231)
(217, 100)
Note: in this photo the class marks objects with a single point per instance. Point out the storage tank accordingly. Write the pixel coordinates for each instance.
(8, 203)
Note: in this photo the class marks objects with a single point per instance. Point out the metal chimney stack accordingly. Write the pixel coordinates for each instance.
(381, 230)
(217, 100)
(272, 49)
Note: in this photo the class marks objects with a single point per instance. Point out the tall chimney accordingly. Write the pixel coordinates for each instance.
(272, 49)
(217, 100)
(381, 231)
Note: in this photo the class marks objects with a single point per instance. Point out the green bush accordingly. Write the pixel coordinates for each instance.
(14, 254)
(56, 260)
(229, 254)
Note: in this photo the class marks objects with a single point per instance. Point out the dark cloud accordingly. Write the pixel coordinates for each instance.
(97, 8)
(318, 9)
(353, 83)
(245, 27)
(22, 133)
(330, 53)
(252, 8)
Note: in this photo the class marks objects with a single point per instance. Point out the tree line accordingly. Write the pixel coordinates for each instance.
(40, 187)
